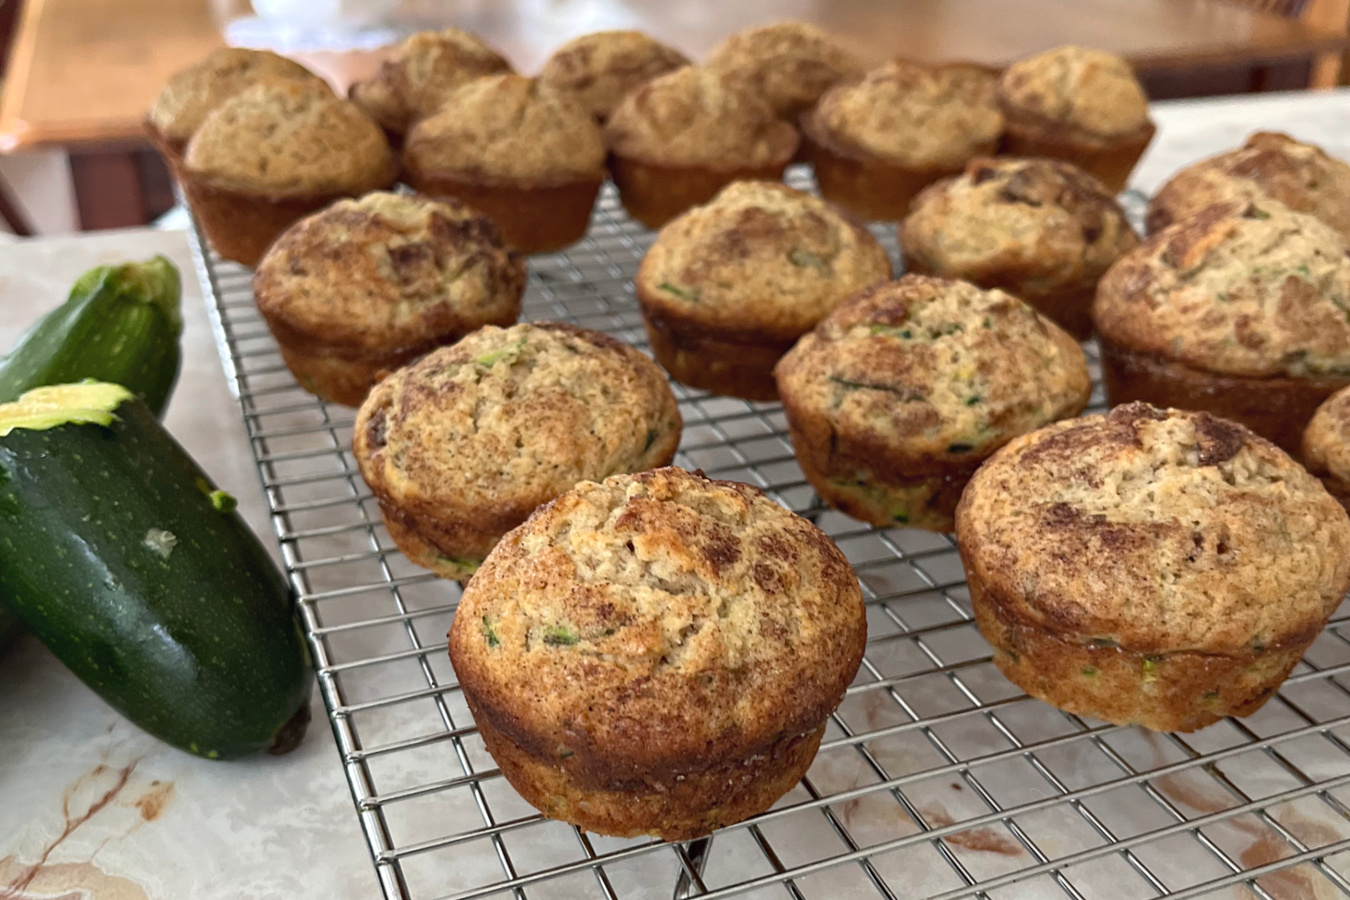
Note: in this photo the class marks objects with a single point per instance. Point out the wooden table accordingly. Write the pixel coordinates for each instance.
(83, 72)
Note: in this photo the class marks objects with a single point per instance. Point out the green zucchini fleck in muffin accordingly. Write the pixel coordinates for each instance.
(461, 445)
(905, 389)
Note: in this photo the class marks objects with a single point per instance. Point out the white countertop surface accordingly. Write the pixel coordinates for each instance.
(94, 808)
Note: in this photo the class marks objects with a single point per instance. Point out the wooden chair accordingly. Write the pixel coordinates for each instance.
(1328, 68)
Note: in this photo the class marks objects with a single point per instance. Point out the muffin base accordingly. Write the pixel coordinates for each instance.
(1277, 408)
(242, 226)
(1111, 163)
(1179, 691)
(680, 807)
(654, 194)
(867, 186)
(171, 150)
(729, 365)
(532, 218)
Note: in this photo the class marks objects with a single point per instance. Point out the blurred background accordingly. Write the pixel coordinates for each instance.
(79, 74)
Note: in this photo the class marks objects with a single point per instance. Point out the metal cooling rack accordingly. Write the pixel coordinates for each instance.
(936, 778)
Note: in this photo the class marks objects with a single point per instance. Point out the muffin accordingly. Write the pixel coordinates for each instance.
(679, 139)
(787, 64)
(1038, 228)
(876, 141)
(658, 654)
(899, 394)
(420, 74)
(1150, 567)
(1301, 176)
(1240, 310)
(273, 154)
(192, 93)
(530, 157)
(599, 69)
(460, 446)
(357, 290)
(1084, 106)
(728, 287)
(1326, 445)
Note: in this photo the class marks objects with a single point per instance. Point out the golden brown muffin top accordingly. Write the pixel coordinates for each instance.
(192, 93)
(762, 257)
(514, 416)
(936, 369)
(1301, 176)
(1158, 531)
(1326, 441)
(1047, 222)
(692, 116)
(389, 272)
(599, 69)
(1240, 289)
(659, 619)
(508, 127)
(421, 73)
(788, 64)
(1089, 90)
(915, 115)
(291, 139)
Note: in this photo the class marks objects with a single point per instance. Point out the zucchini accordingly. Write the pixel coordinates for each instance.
(120, 324)
(121, 557)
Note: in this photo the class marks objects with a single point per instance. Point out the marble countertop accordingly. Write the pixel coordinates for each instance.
(94, 808)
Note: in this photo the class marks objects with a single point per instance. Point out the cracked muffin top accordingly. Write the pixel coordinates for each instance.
(914, 115)
(693, 116)
(192, 93)
(787, 64)
(1091, 92)
(512, 417)
(1326, 442)
(599, 69)
(762, 257)
(1269, 165)
(1159, 530)
(933, 368)
(421, 73)
(1248, 288)
(512, 127)
(291, 138)
(389, 272)
(1048, 221)
(660, 616)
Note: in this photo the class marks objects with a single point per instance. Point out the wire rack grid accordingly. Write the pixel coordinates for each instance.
(936, 778)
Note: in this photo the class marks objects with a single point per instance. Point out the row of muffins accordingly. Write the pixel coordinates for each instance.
(532, 152)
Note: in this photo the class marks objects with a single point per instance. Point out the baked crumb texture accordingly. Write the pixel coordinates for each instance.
(461, 445)
(1242, 310)
(1269, 165)
(420, 74)
(1151, 567)
(1326, 445)
(365, 286)
(789, 64)
(900, 393)
(658, 653)
(1041, 229)
(1077, 104)
(728, 287)
(598, 69)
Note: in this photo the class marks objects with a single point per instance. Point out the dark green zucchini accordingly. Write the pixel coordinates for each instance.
(121, 324)
(122, 558)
